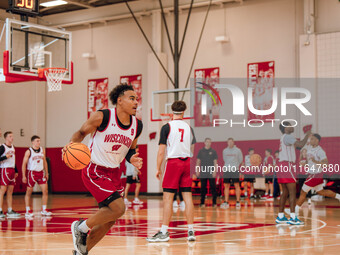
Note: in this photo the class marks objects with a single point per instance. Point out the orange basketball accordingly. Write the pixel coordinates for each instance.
(77, 156)
(255, 160)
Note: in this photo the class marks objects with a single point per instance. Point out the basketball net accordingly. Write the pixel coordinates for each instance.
(166, 117)
(54, 77)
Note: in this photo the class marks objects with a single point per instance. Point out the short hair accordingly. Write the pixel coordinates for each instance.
(270, 151)
(34, 137)
(283, 125)
(317, 136)
(230, 138)
(178, 107)
(277, 151)
(119, 91)
(207, 139)
(250, 149)
(7, 133)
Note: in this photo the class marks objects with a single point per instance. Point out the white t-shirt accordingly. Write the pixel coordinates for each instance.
(318, 154)
(287, 148)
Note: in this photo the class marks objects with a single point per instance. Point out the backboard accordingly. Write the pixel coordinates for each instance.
(162, 100)
(30, 47)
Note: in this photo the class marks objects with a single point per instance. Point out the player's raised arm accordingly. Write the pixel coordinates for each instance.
(300, 144)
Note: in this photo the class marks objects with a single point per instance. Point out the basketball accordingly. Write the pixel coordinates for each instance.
(77, 156)
(255, 160)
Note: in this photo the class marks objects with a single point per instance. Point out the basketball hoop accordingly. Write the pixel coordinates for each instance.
(54, 77)
(166, 117)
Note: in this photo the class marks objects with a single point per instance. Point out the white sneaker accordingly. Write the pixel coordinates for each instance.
(127, 202)
(45, 213)
(29, 214)
(175, 204)
(182, 205)
(137, 201)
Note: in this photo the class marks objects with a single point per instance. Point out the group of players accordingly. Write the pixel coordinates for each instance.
(34, 170)
(102, 177)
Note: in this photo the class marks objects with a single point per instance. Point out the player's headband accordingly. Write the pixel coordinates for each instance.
(178, 113)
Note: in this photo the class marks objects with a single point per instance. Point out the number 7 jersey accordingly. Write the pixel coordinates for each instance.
(179, 140)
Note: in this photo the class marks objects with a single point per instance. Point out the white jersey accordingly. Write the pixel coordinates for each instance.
(287, 152)
(10, 162)
(318, 154)
(247, 160)
(110, 146)
(36, 160)
(179, 140)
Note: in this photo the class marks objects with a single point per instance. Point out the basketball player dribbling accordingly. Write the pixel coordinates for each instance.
(37, 172)
(316, 159)
(178, 140)
(286, 175)
(114, 133)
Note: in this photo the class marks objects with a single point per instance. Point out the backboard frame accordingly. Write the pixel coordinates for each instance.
(13, 76)
(155, 118)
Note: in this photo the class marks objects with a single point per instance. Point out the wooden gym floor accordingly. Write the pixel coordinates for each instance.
(248, 230)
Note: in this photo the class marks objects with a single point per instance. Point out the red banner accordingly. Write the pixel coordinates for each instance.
(97, 95)
(205, 80)
(261, 80)
(136, 82)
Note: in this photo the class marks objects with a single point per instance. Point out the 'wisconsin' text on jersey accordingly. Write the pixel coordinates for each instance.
(118, 138)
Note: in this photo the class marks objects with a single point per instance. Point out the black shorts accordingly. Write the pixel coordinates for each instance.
(249, 178)
(269, 179)
(231, 180)
(129, 179)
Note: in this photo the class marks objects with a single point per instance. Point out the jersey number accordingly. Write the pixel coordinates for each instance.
(182, 133)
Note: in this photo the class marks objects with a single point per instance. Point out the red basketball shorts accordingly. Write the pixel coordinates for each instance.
(101, 181)
(313, 181)
(7, 176)
(285, 172)
(177, 174)
(35, 177)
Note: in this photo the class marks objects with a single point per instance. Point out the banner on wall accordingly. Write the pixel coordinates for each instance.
(136, 82)
(205, 80)
(97, 95)
(261, 79)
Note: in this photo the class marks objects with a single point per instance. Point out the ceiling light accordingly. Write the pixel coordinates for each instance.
(53, 3)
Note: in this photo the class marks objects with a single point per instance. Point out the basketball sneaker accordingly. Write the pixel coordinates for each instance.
(270, 198)
(224, 205)
(238, 204)
(159, 237)
(79, 238)
(13, 214)
(75, 253)
(137, 201)
(202, 205)
(191, 236)
(264, 197)
(45, 213)
(295, 221)
(282, 220)
(29, 214)
(127, 202)
(2, 215)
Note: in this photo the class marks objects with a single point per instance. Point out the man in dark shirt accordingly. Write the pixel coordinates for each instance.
(206, 160)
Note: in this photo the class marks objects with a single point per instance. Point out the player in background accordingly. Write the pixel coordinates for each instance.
(286, 175)
(207, 157)
(248, 176)
(316, 162)
(302, 174)
(233, 158)
(177, 140)
(276, 161)
(8, 173)
(269, 175)
(114, 134)
(132, 177)
(37, 172)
